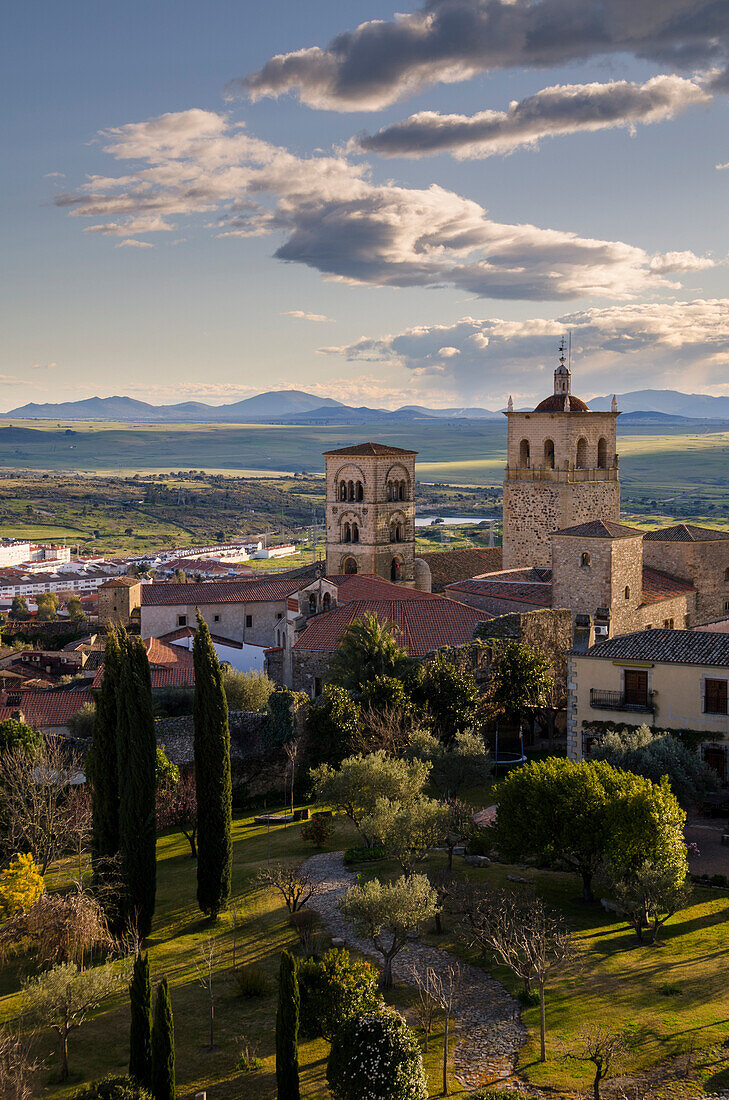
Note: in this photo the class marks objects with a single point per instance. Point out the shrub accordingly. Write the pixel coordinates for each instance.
(655, 754)
(318, 829)
(376, 1056)
(333, 990)
(365, 855)
(306, 922)
(252, 981)
(718, 880)
(113, 1088)
(246, 691)
(81, 724)
(248, 1060)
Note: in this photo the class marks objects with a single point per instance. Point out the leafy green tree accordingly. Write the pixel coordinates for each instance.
(75, 609)
(102, 764)
(653, 755)
(212, 777)
(332, 726)
(385, 693)
(648, 895)
(81, 724)
(47, 604)
(287, 1031)
(247, 691)
(361, 780)
(369, 648)
(166, 773)
(140, 1030)
(452, 697)
(385, 913)
(19, 609)
(333, 989)
(163, 1045)
(519, 682)
(557, 810)
(408, 830)
(16, 734)
(376, 1055)
(466, 763)
(137, 759)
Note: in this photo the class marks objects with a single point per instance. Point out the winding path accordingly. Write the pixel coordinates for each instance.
(487, 1018)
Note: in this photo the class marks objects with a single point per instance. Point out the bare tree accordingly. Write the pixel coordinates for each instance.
(38, 796)
(295, 885)
(291, 750)
(18, 1066)
(601, 1047)
(426, 1006)
(445, 985)
(59, 928)
(205, 963)
(389, 728)
(524, 936)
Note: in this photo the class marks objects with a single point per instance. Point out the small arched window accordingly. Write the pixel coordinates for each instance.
(350, 566)
(524, 456)
(726, 574)
(585, 560)
(389, 490)
(395, 570)
(549, 453)
(346, 533)
(360, 491)
(582, 453)
(342, 490)
(355, 532)
(326, 602)
(402, 490)
(627, 591)
(602, 453)
(312, 603)
(350, 490)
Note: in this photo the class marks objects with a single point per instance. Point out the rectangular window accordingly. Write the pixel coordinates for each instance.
(726, 605)
(715, 697)
(636, 687)
(249, 620)
(216, 618)
(182, 620)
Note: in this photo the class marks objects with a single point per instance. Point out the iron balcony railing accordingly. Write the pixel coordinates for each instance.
(616, 700)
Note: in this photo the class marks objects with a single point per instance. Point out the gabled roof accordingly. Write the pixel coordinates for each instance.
(662, 586)
(423, 625)
(600, 529)
(682, 647)
(521, 588)
(204, 592)
(45, 709)
(369, 450)
(368, 586)
(686, 532)
(450, 566)
(121, 582)
(169, 665)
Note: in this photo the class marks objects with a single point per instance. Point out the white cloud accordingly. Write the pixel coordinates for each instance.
(54, 176)
(554, 111)
(130, 242)
(302, 315)
(335, 220)
(43, 366)
(446, 41)
(629, 346)
(132, 226)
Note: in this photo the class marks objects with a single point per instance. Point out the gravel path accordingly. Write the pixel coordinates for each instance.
(488, 1025)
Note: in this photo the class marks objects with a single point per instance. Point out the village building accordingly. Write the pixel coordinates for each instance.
(118, 599)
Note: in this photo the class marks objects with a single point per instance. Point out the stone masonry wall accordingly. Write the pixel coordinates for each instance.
(704, 564)
(533, 510)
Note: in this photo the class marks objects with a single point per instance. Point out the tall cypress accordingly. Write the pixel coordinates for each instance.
(163, 1046)
(137, 756)
(140, 1031)
(102, 762)
(287, 1031)
(212, 776)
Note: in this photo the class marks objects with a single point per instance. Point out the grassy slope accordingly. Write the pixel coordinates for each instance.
(614, 982)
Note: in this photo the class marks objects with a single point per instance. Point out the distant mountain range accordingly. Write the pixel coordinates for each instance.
(298, 407)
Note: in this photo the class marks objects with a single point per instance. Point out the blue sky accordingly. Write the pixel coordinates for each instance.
(445, 276)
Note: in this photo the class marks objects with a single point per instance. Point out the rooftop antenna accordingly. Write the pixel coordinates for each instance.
(561, 352)
(569, 351)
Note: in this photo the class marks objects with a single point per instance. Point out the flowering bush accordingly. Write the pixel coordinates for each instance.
(317, 829)
(335, 989)
(21, 884)
(376, 1057)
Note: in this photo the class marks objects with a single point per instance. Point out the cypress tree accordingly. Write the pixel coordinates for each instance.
(140, 1031)
(163, 1046)
(212, 776)
(102, 762)
(287, 1031)
(137, 756)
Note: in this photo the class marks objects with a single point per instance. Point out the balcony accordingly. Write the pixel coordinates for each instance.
(569, 475)
(617, 700)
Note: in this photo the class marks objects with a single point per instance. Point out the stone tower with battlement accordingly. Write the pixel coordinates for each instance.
(370, 512)
(562, 470)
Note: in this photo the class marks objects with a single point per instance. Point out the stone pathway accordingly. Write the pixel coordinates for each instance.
(488, 1025)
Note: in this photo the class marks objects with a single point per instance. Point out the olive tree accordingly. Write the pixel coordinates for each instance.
(408, 829)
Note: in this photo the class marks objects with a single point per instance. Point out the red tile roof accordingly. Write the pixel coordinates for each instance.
(600, 529)
(538, 593)
(368, 586)
(686, 532)
(371, 449)
(170, 665)
(555, 403)
(120, 582)
(423, 626)
(450, 566)
(204, 592)
(45, 709)
(663, 586)
(189, 632)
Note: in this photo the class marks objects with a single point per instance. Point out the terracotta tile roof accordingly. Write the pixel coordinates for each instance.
(450, 566)
(423, 626)
(204, 592)
(172, 677)
(600, 529)
(189, 632)
(370, 449)
(538, 593)
(170, 665)
(663, 586)
(120, 582)
(686, 532)
(555, 403)
(159, 653)
(368, 586)
(682, 647)
(44, 709)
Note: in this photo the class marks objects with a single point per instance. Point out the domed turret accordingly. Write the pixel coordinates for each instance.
(562, 400)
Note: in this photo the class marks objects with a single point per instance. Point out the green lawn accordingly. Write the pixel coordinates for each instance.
(614, 982)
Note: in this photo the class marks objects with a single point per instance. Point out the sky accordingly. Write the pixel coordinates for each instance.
(384, 205)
